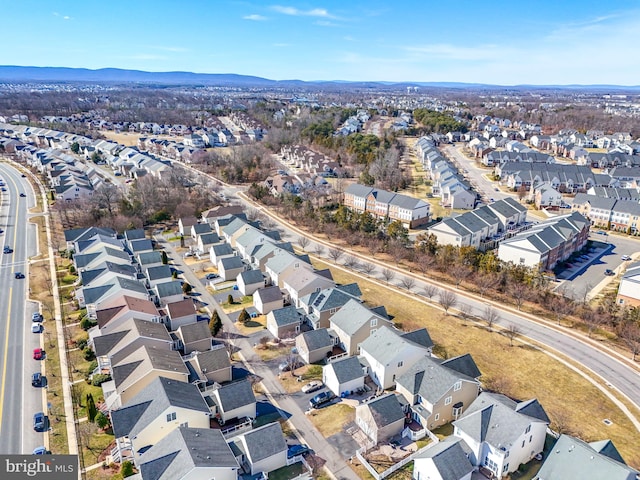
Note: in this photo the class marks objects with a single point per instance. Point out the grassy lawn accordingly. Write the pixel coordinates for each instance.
(83, 389)
(244, 302)
(104, 474)
(309, 372)
(285, 473)
(521, 371)
(443, 431)
(252, 326)
(330, 420)
(94, 442)
(269, 351)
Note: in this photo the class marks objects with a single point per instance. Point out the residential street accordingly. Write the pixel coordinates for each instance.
(335, 462)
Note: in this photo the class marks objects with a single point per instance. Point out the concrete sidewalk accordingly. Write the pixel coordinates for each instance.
(304, 429)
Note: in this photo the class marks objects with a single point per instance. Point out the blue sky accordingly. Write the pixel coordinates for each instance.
(499, 42)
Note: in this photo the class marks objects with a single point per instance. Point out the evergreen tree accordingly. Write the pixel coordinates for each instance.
(244, 316)
(215, 324)
(92, 411)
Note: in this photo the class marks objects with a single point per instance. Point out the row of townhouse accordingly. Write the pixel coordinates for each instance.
(564, 178)
(495, 157)
(483, 227)
(547, 243)
(310, 161)
(410, 211)
(353, 124)
(447, 184)
(297, 184)
(172, 398)
(609, 213)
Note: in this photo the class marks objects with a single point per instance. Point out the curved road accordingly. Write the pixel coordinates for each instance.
(18, 399)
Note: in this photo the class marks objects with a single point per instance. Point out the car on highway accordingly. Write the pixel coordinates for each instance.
(609, 272)
(321, 398)
(8, 249)
(19, 275)
(38, 354)
(626, 258)
(36, 379)
(38, 421)
(312, 386)
(36, 327)
(22, 194)
(36, 317)
(41, 450)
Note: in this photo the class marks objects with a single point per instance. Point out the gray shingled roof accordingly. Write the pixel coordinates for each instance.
(230, 263)
(168, 289)
(201, 228)
(353, 315)
(105, 343)
(572, 458)
(78, 234)
(385, 410)
(161, 394)
(222, 249)
(215, 359)
(264, 442)
(316, 339)
(385, 343)
(158, 272)
(251, 277)
(346, 369)
(145, 258)
(449, 458)
(135, 234)
(235, 395)
(286, 316)
(184, 449)
(358, 190)
(141, 245)
(193, 332)
(269, 294)
(209, 238)
(464, 364)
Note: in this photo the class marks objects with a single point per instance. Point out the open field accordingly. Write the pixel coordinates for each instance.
(523, 371)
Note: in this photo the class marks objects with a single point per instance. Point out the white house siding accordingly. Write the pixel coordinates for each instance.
(511, 252)
(270, 464)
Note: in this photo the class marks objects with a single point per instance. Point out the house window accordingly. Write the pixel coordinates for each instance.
(400, 363)
(528, 429)
(373, 330)
(185, 424)
(447, 400)
(530, 438)
(456, 412)
(437, 417)
(521, 259)
(457, 386)
(506, 467)
(374, 322)
(171, 416)
(522, 443)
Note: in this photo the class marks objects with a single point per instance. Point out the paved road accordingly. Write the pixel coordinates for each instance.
(18, 400)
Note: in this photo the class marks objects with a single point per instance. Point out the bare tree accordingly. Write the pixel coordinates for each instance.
(490, 315)
(466, 310)
(447, 300)
(368, 268)
(303, 242)
(388, 274)
(486, 282)
(511, 333)
(429, 291)
(397, 252)
(408, 283)
(373, 247)
(319, 250)
(560, 306)
(351, 262)
(459, 273)
(424, 262)
(335, 254)
(630, 334)
(519, 292)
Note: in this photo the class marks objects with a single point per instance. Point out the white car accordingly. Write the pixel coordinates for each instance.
(312, 386)
(36, 327)
(626, 257)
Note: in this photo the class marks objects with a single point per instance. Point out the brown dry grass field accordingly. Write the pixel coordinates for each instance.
(330, 420)
(522, 371)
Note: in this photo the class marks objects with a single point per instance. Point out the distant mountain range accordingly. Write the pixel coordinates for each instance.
(10, 73)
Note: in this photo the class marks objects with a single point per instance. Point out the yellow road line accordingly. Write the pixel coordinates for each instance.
(4, 361)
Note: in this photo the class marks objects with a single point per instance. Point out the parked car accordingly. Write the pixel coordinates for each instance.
(211, 276)
(36, 379)
(19, 275)
(297, 449)
(321, 398)
(312, 386)
(40, 450)
(626, 257)
(36, 327)
(600, 232)
(38, 421)
(609, 272)
(38, 354)
(36, 317)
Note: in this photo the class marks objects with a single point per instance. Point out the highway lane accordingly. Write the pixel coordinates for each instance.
(18, 400)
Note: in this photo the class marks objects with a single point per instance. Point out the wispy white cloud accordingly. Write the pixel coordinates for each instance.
(326, 23)
(64, 17)
(255, 17)
(295, 12)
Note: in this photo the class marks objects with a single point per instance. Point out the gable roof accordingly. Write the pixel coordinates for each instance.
(181, 308)
(464, 364)
(193, 332)
(449, 458)
(230, 263)
(184, 449)
(346, 369)
(353, 315)
(235, 395)
(286, 316)
(385, 409)
(264, 442)
(269, 294)
(570, 457)
(160, 394)
(315, 339)
(250, 277)
(214, 359)
(385, 344)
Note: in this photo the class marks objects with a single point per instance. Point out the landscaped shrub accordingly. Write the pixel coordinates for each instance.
(86, 323)
(88, 354)
(99, 379)
(126, 470)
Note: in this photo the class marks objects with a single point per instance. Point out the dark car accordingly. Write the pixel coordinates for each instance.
(609, 272)
(19, 275)
(38, 354)
(36, 379)
(8, 249)
(319, 399)
(23, 175)
(297, 449)
(38, 421)
(211, 276)
(1, 230)
(22, 194)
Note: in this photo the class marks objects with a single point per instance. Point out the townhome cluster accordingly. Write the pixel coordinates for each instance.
(49, 151)
(304, 184)
(615, 209)
(448, 184)
(388, 206)
(176, 406)
(301, 157)
(353, 124)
